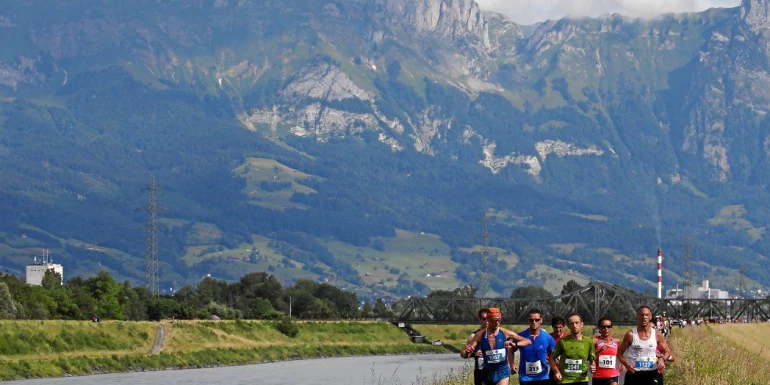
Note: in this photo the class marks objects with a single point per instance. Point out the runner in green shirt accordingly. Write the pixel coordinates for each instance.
(574, 355)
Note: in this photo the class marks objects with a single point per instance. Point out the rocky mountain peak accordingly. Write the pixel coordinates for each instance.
(756, 13)
(455, 19)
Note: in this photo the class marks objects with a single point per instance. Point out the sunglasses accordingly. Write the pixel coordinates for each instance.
(496, 319)
(535, 320)
(605, 327)
(483, 319)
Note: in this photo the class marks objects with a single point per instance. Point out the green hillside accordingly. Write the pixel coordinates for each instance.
(347, 142)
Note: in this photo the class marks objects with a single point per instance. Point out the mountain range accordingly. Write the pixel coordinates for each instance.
(386, 146)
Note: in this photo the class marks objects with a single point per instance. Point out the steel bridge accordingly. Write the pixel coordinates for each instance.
(598, 299)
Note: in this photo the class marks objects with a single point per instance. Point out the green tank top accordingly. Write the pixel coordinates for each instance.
(575, 358)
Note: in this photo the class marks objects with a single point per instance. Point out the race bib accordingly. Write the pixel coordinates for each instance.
(644, 365)
(533, 367)
(607, 362)
(573, 366)
(494, 356)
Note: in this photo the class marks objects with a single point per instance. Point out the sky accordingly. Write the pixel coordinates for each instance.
(532, 11)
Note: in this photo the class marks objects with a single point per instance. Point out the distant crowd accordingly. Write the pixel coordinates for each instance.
(570, 358)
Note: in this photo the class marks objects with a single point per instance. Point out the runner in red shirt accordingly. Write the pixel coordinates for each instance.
(557, 323)
(607, 372)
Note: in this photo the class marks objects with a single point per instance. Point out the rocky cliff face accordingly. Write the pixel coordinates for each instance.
(574, 65)
(453, 19)
(756, 14)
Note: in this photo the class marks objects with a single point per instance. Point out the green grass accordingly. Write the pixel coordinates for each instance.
(416, 254)
(720, 354)
(732, 216)
(33, 339)
(258, 170)
(58, 348)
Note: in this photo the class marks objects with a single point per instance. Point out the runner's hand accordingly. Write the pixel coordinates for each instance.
(593, 366)
(557, 376)
(479, 354)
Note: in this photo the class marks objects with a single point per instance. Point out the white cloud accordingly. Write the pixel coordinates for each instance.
(531, 11)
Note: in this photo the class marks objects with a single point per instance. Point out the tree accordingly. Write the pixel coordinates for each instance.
(530, 292)
(7, 306)
(381, 310)
(51, 279)
(367, 311)
(106, 292)
(254, 255)
(571, 286)
(162, 307)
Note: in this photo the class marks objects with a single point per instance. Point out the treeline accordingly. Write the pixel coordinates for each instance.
(254, 296)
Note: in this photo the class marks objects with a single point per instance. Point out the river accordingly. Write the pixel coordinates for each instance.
(370, 370)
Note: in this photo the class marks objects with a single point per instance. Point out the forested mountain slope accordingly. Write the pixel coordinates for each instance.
(361, 142)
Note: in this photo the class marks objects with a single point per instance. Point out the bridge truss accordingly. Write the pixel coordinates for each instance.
(598, 299)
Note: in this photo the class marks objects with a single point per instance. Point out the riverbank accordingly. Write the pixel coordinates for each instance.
(39, 349)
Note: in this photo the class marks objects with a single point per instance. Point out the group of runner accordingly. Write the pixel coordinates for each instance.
(566, 358)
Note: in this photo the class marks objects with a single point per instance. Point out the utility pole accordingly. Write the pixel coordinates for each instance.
(742, 282)
(151, 258)
(484, 273)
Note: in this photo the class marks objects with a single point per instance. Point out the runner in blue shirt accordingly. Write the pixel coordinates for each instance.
(533, 359)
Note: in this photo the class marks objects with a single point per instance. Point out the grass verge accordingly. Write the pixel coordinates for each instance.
(190, 344)
(707, 356)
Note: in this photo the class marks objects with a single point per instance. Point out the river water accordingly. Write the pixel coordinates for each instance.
(371, 370)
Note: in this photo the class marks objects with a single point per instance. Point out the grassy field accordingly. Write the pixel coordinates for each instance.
(31, 349)
(258, 170)
(416, 254)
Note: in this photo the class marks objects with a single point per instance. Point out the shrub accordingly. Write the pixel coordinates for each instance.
(287, 327)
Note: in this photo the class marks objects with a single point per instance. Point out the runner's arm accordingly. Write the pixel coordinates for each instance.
(518, 341)
(592, 357)
(628, 338)
(553, 360)
(664, 350)
(471, 346)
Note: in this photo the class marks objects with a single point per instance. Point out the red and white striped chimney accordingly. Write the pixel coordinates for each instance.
(660, 273)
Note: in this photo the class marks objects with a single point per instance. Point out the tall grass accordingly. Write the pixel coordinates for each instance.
(36, 338)
(706, 358)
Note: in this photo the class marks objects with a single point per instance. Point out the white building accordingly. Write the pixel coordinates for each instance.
(36, 270)
(703, 292)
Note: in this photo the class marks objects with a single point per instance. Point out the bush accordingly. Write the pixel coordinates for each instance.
(287, 327)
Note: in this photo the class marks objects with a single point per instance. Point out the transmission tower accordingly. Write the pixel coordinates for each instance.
(151, 259)
(687, 269)
(742, 282)
(484, 273)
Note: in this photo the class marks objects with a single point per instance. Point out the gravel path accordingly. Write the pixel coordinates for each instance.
(159, 337)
